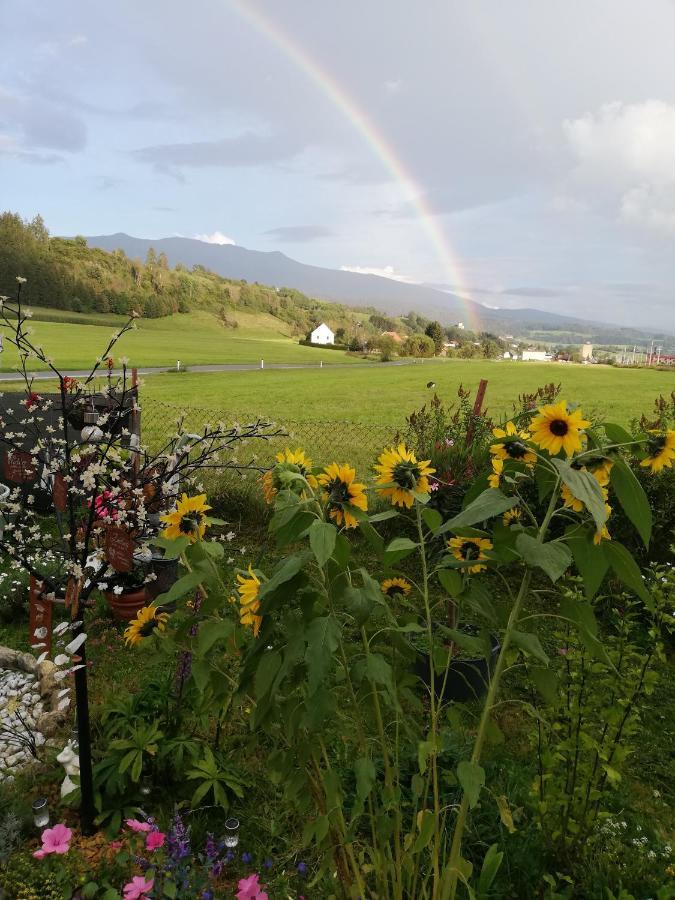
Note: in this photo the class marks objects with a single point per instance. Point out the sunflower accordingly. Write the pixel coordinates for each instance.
(603, 534)
(403, 474)
(513, 445)
(556, 429)
(660, 451)
(470, 548)
(187, 519)
(600, 468)
(147, 620)
(248, 589)
(512, 516)
(497, 469)
(395, 587)
(341, 493)
(288, 460)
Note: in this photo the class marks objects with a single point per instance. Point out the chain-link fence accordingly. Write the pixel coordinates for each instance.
(357, 443)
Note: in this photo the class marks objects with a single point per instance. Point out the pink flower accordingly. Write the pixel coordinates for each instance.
(115, 845)
(154, 840)
(137, 888)
(54, 840)
(137, 826)
(250, 889)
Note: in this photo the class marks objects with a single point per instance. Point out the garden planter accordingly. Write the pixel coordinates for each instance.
(467, 678)
(127, 605)
(166, 571)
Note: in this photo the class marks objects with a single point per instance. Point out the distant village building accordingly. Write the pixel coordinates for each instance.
(460, 325)
(394, 335)
(535, 355)
(450, 345)
(587, 351)
(507, 355)
(322, 335)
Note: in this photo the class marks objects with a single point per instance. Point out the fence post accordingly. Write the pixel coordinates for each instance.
(262, 363)
(477, 408)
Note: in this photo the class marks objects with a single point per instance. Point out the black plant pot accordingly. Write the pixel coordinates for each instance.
(166, 571)
(467, 678)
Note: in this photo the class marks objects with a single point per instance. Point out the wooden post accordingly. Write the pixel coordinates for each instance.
(39, 616)
(477, 408)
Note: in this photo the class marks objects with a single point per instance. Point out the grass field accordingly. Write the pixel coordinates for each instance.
(383, 394)
(196, 337)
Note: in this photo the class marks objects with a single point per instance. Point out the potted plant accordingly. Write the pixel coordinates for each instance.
(127, 593)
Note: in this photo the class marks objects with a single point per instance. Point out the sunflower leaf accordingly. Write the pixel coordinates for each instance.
(554, 558)
(487, 505)
(585, 488)
(632, 498)
(322, 537)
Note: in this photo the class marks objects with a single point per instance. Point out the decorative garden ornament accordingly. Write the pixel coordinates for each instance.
(70, 761)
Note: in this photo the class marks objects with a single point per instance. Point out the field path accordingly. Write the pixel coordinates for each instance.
(220, 367)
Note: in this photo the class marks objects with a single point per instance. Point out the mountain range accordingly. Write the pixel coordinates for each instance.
(393, 297)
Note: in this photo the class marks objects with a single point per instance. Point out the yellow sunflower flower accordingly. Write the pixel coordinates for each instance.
(147, 620)
(342, 494)
(293, 460)
(601, 469)
(660, 451)
(187, 519)
(512, 516)
(556, 429)
(470, 548)
(405, 476)
(497, 469)
(248, 589)
(512, 445)
(395, 587)
(603, 534)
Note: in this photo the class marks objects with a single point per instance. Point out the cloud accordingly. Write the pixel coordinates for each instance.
(39, 123)
(217, 237)
(625, 155)
(246, 149)
(381, 272)
(531, 292)
(300, 234)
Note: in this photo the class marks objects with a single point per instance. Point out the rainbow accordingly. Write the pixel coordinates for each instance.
(372, 135)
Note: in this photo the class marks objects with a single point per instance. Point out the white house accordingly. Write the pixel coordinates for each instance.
(322, 335)
(539, 355)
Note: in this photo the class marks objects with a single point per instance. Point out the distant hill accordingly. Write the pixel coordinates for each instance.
(393, 297)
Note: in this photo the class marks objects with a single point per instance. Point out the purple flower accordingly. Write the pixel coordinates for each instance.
(302, 868)
(267, 864)
(178, 844)
(210, 848)
(229, 856)
(247, 858)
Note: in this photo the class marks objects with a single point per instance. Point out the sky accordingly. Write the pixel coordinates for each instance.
(520, 153)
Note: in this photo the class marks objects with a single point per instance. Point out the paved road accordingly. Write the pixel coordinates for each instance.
(225, 367)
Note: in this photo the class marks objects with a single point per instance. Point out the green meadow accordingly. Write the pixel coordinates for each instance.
(386, 394)
(192, 338)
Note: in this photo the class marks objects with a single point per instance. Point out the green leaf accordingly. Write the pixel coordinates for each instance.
(585, 488)
(384, 516)
(452, 582)
(379, 671)
(472, 778)
(545, 480)
(617, 434)
(505, 814)
(473, 645)
(488, 873)
(546, 682)
(554, 557)
(487, 505)
(288, 569)
(627, 570)
(323, 636)
(530, 645)
(183, 586)
(581, 613)
(632, 498)
(365, 772)
(213, 549)
(401, 543)
(432, 518)
(589, 558)
(268, 667)
(212, 630)
(322, 537)
(173, 549)
(425, 824)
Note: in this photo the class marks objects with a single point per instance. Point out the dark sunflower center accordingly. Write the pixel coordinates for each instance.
(190, 523)
(406, 474)
(147, 628)
(559, 427)
(515, 449)
(469, 550)
(339, 492)
(656, 444)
